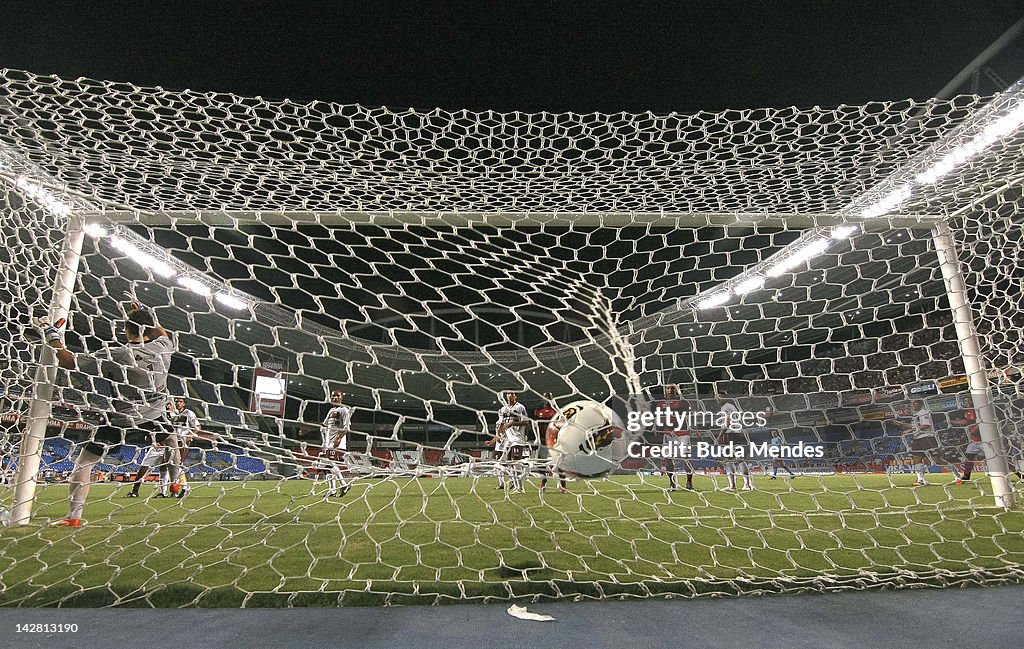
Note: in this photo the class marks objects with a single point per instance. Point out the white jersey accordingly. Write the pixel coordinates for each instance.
(184, 422)
(338, 420)
(138, 372)
(727, 415)
(513, 436)
(975, 448)
(924, 426)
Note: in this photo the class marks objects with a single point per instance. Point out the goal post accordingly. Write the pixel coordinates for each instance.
(40, 405)
(974, 366)
(836, 272)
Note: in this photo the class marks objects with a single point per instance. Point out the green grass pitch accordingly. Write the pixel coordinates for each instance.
(428, 540)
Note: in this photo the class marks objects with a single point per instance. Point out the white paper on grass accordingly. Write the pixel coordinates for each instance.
(521, 613)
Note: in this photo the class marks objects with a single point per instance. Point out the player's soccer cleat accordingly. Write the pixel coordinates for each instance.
(69, 522)
(918, 484)
(330, 494)
(344, 490)
(161, 495)
(689, 487)
(958, 482)
(131, 494)
(773, 478)
(563, 490)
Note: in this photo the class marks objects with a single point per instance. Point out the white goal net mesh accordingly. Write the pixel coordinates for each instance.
(423, 264)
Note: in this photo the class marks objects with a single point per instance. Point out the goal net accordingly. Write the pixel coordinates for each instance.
(847, 277)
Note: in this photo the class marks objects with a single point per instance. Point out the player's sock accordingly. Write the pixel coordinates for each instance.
(174, 474)
(164, 480)
(749, 481)
(919, 467)
(792, 475)
(732, 480)
(80, 480)
(775, 471)
(689, 481)
(139, 477)
(968, 467)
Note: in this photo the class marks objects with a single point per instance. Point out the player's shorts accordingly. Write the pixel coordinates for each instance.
(924, 443)
(516, 452)
(334, 455)
(154, 456)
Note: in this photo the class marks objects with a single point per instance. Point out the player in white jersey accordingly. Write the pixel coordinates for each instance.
(730, 432)
(512, 426)
(138, 374)
(156, 456)
(925, 442)
(676, 436)
(334, 429)
(186, 427)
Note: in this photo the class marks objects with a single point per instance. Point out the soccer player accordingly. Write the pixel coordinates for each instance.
(511, 427)
(777, 464)
(679, 438)
(728, 414)
(544, 416)
(924, 443)
(154, 457)
(335, 428)
(138, 373)
(186, 427)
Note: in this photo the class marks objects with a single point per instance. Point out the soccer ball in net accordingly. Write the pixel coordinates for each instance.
(590, 439)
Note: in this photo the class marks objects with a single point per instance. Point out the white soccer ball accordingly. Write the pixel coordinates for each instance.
(590, 439)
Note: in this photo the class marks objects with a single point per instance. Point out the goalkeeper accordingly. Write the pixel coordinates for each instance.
(138, 375)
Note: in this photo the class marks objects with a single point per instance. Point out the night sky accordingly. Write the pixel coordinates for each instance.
(522, 56)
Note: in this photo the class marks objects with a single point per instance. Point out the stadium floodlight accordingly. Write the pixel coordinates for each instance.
(996, 130)
(748, 285)
(422, 303)
(42, 196)
(142, 258)
(195, 285)
(715, 300)
(844, 231)
(799, 256)
(231, 301)
(95, 230)
(887, 203)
